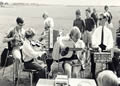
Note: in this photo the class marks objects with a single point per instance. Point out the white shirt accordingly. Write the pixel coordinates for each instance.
(12, 28)
(108, 38)
(79, 44)
(106, 13)
(49, 21)
(12, 32)
(28, 52)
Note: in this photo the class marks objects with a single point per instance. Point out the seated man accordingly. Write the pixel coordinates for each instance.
(61, 52)
(102, 38)
(30, 55)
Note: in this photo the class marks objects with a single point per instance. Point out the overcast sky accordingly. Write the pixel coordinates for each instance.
(70, 2)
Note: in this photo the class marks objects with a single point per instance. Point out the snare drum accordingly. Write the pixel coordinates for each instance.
(102, 57)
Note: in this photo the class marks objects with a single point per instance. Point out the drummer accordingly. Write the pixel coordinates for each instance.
(102, 39)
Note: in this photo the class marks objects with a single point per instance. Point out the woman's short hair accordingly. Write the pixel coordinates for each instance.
(29, 33)
(75, 31)
(107, 78)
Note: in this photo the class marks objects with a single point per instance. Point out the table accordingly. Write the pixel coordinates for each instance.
(72, 82)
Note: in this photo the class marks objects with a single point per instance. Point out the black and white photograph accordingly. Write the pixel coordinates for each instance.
(59, 43)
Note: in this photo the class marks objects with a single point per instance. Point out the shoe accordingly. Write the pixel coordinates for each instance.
(82, 67)
(16, 81)
(50, 75)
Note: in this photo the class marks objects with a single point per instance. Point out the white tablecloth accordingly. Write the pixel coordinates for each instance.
(72, 82)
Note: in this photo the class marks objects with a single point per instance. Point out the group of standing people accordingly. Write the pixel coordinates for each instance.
(91, 22)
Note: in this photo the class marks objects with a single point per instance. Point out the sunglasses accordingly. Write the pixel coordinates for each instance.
(20, 24)
(102, 18)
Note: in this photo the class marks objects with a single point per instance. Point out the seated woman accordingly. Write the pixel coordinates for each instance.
(61, 52)
(107, 78)
(30, 55)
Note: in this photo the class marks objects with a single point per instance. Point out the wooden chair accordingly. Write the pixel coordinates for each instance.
(30, 71)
